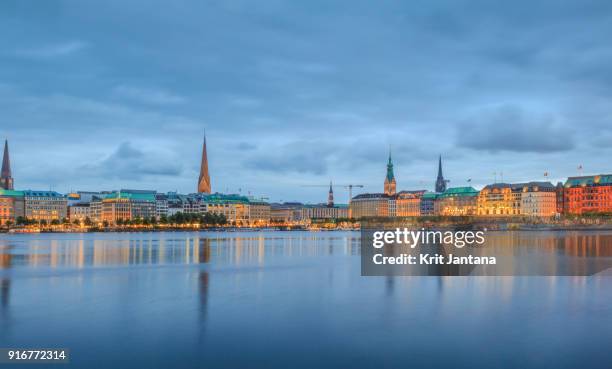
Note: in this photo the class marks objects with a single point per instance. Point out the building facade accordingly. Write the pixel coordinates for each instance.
(538, 199)
(588, 194)
(408, 203)
(79, 211)
(457, 201)
(128, 205)
(370, 205)
(11, 206)
(45, 205)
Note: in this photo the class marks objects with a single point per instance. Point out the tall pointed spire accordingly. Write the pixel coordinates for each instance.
(390, 177)
(330, 196)
(440, 182)
(6, 179)
(204, 180)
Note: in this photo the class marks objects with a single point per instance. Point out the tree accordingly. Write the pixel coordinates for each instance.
(42, 222)
(88, 221)
(163, 219)
(21, 220)
(105, 224)
(55, 222)
(76, 222)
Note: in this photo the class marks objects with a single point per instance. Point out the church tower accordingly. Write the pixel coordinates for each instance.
(204, 180)
(330, 196)
(6, 179)
(440, 182)
(390, 178)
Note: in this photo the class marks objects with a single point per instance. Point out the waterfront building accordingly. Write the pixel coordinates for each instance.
(234, 207)
(500, 199)
(427, 204)
(95, 209)
(538, 199)
(127, 205)
(6, 178)
(560, 200)
(45, 205)
(79, 211)
(408, 203)
(161, 205)
(370, 205)
(390, 178)
(588, 194)
(457, 201)
(287, 212)
(322, 211)
(259, 213)
(440, 181)
(204, 179)
(11, 206)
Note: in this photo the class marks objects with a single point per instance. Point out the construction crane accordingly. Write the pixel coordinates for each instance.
(347, 186)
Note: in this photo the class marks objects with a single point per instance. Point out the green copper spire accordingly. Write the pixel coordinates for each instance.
(390, 175)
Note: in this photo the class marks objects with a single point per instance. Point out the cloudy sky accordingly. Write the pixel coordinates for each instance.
(117, 94)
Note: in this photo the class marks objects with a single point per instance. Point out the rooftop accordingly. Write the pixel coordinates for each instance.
(601, 179)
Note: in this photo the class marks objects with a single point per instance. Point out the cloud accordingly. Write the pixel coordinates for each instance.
(148, 95)
(53, 50)
(509, 128)
(295, 157)
(129, 162)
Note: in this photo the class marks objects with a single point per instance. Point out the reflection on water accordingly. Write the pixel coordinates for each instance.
(291, 300)
(246, 248)
(163, 248)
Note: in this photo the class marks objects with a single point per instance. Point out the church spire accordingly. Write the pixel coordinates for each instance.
(6, 179)
(440, 181)
(204, 180)
(390, 178)
(330, 196)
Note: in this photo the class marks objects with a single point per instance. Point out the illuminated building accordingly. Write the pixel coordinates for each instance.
(529, 199)
(45, 205)
(426, 206)
(323, 211)
(408, 203)
(560, 200)
(288, 212)
(440, 181)
(370, 205)
(500, 199)
(457, 201)
(588, 194)
(11, 205)
(79, 211)
(259, 213)
(235, 208)
(204, 180)
(161, 205)
(538, 199)
(390, 179)
(127, 205)
(6, 179)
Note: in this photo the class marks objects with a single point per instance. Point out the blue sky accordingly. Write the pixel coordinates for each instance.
(116, 94)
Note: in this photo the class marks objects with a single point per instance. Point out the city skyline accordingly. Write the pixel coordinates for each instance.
(286, 103)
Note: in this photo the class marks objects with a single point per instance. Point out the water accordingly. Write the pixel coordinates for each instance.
(287, 300)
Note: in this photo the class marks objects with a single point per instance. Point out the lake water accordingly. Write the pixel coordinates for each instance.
(289, 300)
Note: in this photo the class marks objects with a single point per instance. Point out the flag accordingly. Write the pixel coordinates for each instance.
(545, 174)
(580, 167)
(469, 180)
